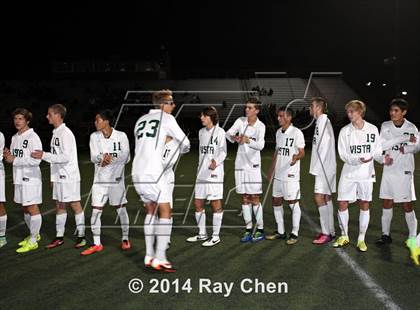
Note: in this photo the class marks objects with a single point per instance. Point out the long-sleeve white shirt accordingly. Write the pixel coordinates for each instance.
(323, 161)
(25, 168)
(169, 158)
(118, 147)
(63, 156)
(249, 154)
(354, 144)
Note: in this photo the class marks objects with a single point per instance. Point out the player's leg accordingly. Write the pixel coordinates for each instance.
(60, 224)
(35, 227)
(277, 203)
(217, 209)
(200, 218)
(247, 215)
(323, 209)
(296, 216)
(364, 218)
(95, 224)
(343, 221)
(72, 191)
(150, 225)
(411, 220)
(3, 224)
(118, 199)
(258, 213)
(330, 205)
(386, 218)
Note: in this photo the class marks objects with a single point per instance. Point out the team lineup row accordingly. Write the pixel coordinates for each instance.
(158, 143)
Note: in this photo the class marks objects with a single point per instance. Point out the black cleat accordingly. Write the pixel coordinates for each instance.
(384, 239)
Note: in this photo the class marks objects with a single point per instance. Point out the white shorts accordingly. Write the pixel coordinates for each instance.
(208, 191)
(399, 188)
(28, 194)
(2, 190)
(154, 189)
(248, 181)
(288, 190)
(66, 192)
(354, 190)
(325, 186)
(116, 195)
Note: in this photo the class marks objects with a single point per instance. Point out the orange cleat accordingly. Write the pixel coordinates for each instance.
(92, 249)
(125, 245)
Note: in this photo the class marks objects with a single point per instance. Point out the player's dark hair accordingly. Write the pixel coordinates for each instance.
(106, 115)
(321, 102)
(27, 115)
(255, 101)
(399, 102)
(288, 111)
(212, 113)
(60, 109)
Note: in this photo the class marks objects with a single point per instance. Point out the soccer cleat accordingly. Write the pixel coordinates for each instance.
(163, 266)
(384, 239)
(341, 242)
(322, 239)
(125, 245)
(55, 243)
(3, 241)
(414, 254)
(211, 242)
(92, 249)
(80, 243)
(411, 242)
(276, 235)
(197, 238)
(259, 236)
(28, 246)
(247, 237)
(292, 239)
(38, 238)
(361, 245)
(148, 261)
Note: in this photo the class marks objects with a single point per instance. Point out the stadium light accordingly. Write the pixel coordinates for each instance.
(383, 84)
(368, 83)
(404, 93)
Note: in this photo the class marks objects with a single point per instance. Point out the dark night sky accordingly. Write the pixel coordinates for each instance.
(203, 35)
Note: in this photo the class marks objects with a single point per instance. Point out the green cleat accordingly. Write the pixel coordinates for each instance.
(29, 246)
(411, 242)
(22, 243)
(341, 242)
(361, 245)
(414, 254)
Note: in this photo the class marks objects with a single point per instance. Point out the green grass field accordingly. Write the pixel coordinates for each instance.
(317, 277)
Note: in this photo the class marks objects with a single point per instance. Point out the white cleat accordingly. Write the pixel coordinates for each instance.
(211, 242)
(197, 238)
(148, 261)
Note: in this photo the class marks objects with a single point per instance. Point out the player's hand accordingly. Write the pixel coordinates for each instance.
(8, 157)
(245, 139)
(294, 160)
(213, 165)
(388, 160)
(37, 154)
(364, 161)
(106, 160)
(413, 139)
(236, 138)
(6, 152)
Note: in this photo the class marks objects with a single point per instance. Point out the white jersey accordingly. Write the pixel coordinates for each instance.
(169, 158)
(63, 156)
(212, 146)
(323, 162)
(248, 155)
(288, 143)
(392, 139)
(115, 145)
(25, 168)
(354, 144)
(150, 133)
(2, 142)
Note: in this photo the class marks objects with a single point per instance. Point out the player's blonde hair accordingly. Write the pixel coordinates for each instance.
(157, 96)
(59, 108)
(357, 105)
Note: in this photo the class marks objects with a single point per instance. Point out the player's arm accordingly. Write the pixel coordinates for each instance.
(344, 152)
(378, 151)
(231, 133)
(323, 145)
(2, 142)
(33, 145)
(260, 141)
(300, 145)
(69, 146)
(124, 156)
(95, 155)
(176, 132)
(414, 147)
(221, 156)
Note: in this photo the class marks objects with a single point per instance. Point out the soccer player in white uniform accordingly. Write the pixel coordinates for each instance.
(397, 184)
(150, 132)
(210, 174)
(65, 175)
(27, 177)
(249, 133)
(324, 167)
(358, 144)
(3, 214)
(290, 145)
(109, 152)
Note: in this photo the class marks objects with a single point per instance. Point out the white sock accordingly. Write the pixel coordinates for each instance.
(343, 221)
(60, 224)
(3, 221)
(386, 221)
(279, 216)
(125, 222)
(364, 218)
(27, 218)
(200, 217)
(95, 222)
(331, 217)
(258, 212)
(296, 214)
(162, 236)
(324, 219)
(410, 218)
(36, 221)
(247, 214)
(150, 222)
(80, 223)
(217, 223)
